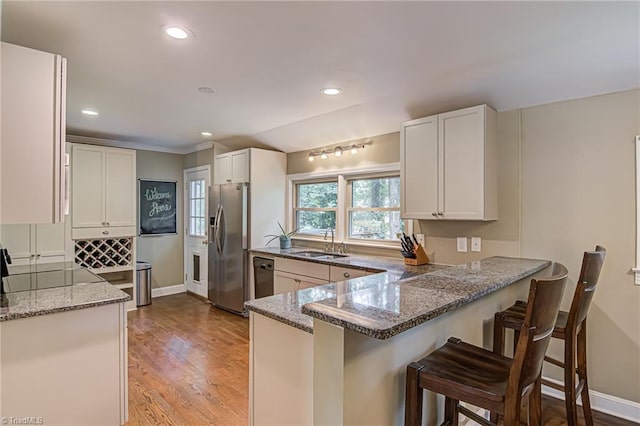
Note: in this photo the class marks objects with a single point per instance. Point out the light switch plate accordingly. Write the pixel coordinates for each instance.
(476, 244)
(420, 238)
(462, 244)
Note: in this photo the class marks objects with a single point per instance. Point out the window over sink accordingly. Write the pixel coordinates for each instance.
(361, 206)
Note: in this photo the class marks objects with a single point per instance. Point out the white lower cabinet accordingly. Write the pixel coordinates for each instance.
(338, 273)
(293, 275)
(66, 368)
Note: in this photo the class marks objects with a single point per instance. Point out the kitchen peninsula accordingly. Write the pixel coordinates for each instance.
(63, 358)
(336, 354)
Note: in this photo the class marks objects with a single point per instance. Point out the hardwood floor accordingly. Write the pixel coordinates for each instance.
(189, 365)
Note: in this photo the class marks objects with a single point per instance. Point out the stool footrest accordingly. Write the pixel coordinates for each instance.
(554, 385)
(554, 361)
(473, 416)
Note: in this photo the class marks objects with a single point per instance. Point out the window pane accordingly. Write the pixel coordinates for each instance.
(376, 192)
(318, 195)
(315, 222)
(377, 225)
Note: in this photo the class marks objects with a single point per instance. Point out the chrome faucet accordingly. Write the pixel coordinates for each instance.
(333, 245)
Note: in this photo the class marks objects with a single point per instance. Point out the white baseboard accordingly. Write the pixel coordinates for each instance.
(609, 404)
(166, 291)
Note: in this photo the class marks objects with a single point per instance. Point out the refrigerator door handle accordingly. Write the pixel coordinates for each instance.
(221, 229)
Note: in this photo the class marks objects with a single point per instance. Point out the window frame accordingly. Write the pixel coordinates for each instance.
(295, 209)
(342, 175)
(190, 211)
(348, 208)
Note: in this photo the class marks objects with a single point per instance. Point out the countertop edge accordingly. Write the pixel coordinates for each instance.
(22, 315)
(319, 311)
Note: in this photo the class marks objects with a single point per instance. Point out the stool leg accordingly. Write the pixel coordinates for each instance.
(413, 396)
(535, 403)
(570, 380)
(582, 373)
(512, 410)
(450, 411)
(516, 337)
(498, 346)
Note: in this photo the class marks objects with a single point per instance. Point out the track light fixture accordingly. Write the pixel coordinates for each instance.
(337, 151)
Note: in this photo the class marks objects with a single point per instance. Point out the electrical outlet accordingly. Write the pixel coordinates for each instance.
(462, 244)
(476, 244)
(420, 238)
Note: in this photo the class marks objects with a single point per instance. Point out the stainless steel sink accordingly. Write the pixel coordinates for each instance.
(320, 254)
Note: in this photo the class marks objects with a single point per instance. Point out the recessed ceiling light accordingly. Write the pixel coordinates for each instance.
(89, 112)
(177, 32)
(331, 91)
(324, 155)
(206, 134)
(207, 90)
(337, 152)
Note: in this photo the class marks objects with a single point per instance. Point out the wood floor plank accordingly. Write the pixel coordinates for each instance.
(189, 365)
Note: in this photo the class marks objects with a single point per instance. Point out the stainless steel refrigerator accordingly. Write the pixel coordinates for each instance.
(228, 246)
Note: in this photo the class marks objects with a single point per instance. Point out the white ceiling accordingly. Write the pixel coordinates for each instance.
(268, 62)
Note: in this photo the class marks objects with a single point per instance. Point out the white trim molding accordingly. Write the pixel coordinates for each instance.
(636, 270)
(609, 404)
(138, 145)
(166, 291)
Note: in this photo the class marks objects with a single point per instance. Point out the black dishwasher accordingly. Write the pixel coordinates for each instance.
(263, 276)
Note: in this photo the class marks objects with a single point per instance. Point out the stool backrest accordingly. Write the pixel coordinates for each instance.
(543, 306)
(591, 266)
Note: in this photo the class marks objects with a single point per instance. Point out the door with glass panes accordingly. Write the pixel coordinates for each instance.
(196, 203)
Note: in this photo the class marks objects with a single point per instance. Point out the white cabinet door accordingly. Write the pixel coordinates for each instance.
(49, 242)
(222, 169)
(33, 128)
(88, 180)
(419, 168)
(337, 273)
(240, 166)
(448, 166)
(284, 282)
(462, 141)
(120, 187)
(17, 239)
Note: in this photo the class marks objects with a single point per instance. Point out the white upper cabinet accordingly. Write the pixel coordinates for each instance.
(33, 136)
(232, 167)
(448, 166)
(103, 186)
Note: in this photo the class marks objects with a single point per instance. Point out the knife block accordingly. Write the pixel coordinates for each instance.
(421, 257)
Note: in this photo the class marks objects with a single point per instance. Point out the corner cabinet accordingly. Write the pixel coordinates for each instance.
(104, 187)
(33, 136)
(448, 166)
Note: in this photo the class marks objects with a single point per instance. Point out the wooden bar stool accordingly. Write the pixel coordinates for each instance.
(572, 328)
(463, 372)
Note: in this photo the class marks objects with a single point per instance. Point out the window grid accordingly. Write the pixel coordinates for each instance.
(197, 208)
(349, 218)
(324, 217)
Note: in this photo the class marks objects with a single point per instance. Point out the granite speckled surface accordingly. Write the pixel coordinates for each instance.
(357, 261)
(43, 301)
(385, 304)
(287, 307)
(382, 312)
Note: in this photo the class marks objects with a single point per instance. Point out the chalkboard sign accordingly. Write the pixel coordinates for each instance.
(156, 207)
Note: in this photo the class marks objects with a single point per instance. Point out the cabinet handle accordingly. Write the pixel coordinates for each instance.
(346, 275)
(440, 214)
(38, 255)
(108, 224)
(32, 256)
(434, 214)
(105, 232)
(297, 280)
(229, 180)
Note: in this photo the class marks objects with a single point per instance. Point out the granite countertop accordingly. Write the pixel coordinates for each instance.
(357, 261)
(72, 289)
(287, 307)
(386, 304)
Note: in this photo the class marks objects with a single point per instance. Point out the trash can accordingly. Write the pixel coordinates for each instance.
(143, 283)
